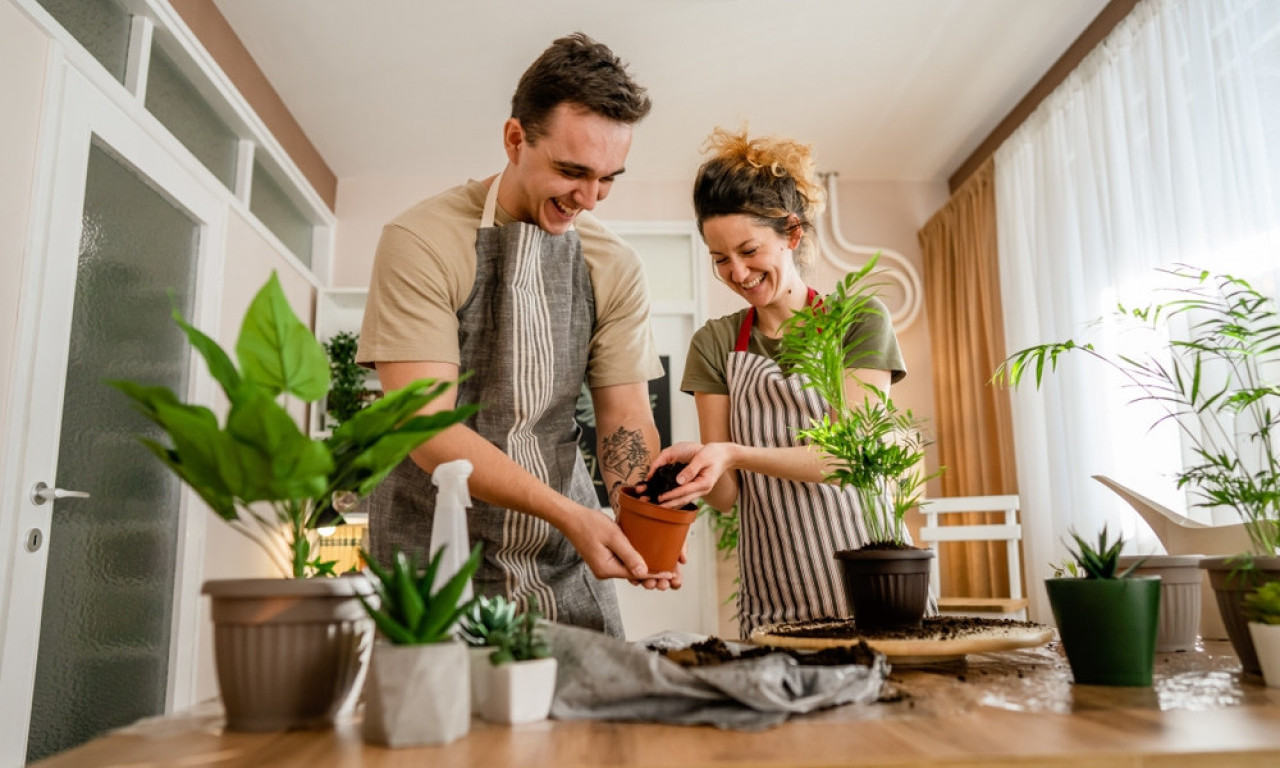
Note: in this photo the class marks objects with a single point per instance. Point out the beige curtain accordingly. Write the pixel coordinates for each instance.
(972, 423)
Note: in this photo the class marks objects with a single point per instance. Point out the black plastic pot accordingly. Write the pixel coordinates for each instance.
(1108, 627)
(886, 588)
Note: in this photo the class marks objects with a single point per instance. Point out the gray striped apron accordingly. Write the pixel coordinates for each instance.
(524, 334)
(789, 530)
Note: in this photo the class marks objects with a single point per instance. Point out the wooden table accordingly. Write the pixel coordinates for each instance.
(1012, 708)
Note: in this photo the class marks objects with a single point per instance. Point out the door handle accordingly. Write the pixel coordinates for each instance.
(40, 493)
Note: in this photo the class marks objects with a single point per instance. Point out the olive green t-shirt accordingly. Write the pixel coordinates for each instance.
(424, 271)
(704, 368)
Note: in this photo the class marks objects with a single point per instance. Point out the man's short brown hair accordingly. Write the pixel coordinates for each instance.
(577, 70)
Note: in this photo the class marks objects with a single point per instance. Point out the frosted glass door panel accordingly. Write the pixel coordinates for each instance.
(108, 600)
(101, 26)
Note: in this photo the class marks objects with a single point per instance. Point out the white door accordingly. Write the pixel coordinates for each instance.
(98, 625)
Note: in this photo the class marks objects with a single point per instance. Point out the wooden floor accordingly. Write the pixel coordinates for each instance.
(1013, 708)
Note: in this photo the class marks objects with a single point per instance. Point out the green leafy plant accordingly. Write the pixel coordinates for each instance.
(488, 617)
(1218, 385)
(1101, 561)
(348, 394)
(410, 611)
(257, 470)
(1263, 603)
(524, 640)
(878, 449)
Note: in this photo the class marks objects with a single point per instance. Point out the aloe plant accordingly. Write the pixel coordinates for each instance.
(410, 610)
(1101, 561)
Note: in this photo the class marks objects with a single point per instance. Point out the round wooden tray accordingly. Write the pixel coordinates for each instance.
(935, 644)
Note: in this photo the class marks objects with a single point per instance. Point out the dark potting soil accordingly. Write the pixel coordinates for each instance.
(713, 651)
(931, 628)
(663, 480)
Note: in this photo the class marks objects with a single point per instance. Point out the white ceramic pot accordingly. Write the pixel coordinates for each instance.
(1181, 600)
(521, 691)
(417, 694)
(1266, 643)
(480, 669)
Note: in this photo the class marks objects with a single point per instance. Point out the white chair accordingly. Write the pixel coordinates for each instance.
(1010, 532)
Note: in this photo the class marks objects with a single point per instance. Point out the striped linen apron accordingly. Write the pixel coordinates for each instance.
(789, 530)
(524, 333)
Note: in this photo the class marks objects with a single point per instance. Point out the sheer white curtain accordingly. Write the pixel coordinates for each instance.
(1162, 147)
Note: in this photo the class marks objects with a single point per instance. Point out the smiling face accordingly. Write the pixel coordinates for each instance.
(754, 260)
(566, 171)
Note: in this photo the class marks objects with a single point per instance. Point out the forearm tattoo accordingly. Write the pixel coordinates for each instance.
(626, 456)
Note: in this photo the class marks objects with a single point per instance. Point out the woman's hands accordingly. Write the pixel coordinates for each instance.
(706, 464)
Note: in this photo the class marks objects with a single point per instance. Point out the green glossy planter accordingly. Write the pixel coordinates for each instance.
(1108, 627)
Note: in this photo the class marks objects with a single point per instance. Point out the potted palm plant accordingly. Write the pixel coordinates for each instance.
(877, 448)
(1107, 618)
(1217, 383)
(480, 628)
(522, 682)
(419, 657)
(290, 652)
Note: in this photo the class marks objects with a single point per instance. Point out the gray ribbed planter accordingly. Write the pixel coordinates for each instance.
(886, 588)
(1230, 585)
(1180, 597)
(290, 653)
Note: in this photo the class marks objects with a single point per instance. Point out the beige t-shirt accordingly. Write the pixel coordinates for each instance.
(704, 368)
(424, 271)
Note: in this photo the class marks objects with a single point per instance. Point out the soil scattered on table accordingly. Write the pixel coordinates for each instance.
(931, 628)
(713, 651)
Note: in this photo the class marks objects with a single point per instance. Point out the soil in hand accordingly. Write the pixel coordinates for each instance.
(663, 480)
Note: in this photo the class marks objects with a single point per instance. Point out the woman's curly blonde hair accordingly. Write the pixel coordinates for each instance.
(769, 178)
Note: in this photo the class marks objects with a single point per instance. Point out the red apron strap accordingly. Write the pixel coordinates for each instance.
(744, 330)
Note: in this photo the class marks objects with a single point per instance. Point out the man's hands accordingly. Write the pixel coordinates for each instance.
(608, 553)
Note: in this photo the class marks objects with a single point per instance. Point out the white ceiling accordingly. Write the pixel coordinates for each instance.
(883, 89)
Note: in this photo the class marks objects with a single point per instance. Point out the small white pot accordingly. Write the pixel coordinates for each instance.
(480, 673)
(520, 691)
(1266, 642)
(1181, 591)
(417, 694)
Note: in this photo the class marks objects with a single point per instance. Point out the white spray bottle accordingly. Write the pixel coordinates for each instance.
(449, 528)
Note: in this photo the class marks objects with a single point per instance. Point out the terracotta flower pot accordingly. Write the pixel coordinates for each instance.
(886, 588)
(657, 533)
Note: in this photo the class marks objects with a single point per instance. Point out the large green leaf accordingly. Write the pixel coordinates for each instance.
(278, 460)
(220, 365)
(277, 351)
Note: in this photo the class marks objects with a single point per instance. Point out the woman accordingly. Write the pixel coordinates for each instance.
(756, 202)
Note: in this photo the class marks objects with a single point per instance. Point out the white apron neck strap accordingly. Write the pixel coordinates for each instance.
(490, 203)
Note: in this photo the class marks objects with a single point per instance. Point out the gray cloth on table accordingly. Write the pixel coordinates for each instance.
(603, 678)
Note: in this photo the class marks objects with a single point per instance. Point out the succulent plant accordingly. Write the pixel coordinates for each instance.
(489, 616)
(1102, 561)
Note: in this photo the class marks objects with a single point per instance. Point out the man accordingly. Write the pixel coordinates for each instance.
(513, 280)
